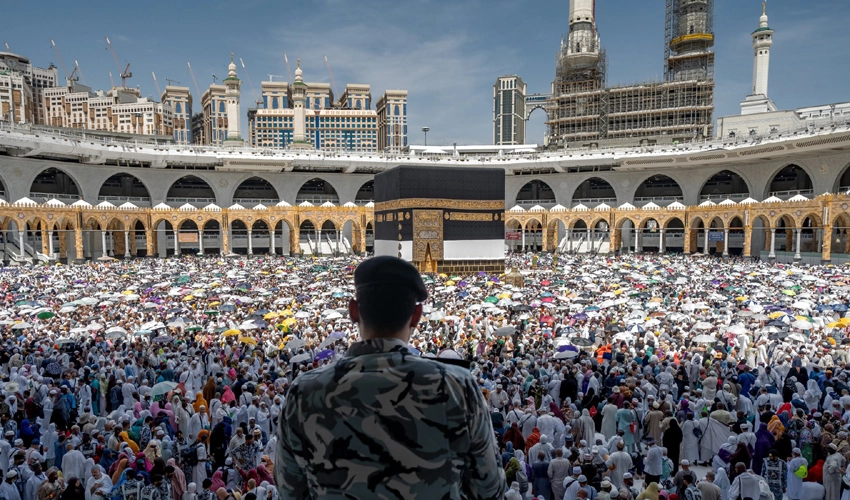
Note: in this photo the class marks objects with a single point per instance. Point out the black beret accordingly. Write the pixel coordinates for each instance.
(390, 271)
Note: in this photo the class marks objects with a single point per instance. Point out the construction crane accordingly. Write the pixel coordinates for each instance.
(8, 49)
(272, 77)
(248, 77)
(124, 74)
(333, 84)
(215, 79)
(286, 60)
(68, 76)
(169, 81)
(79, 71)
(111, 81)
(158, 90)
(198, 90)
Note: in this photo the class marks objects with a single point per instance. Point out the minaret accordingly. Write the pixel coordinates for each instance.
(758, 101)
(232, 93)
(762, 40)
(582, 43)
(299, 126)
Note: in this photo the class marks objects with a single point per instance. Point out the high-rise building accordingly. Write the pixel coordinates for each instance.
(306, 115)
(214, 107)
(758, 101)
(180, 101)
(16, 98)
(509, 111)
(37, 79)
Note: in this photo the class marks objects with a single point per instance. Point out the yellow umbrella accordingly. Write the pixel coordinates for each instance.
(615, 285)
(834, 324)
(264, 273)
(504, 296)
(286, 312)
(617, 292)
(444, 275)
(844, 321)
(831, 341)
(450, 283)
(271, 315)
(489, 283)
(188, 298)
(741, 298)
(215, 303)
(776, 314)
(127, 292)
(289, 321)
(803, 318)
(248, 340)
(233, 332)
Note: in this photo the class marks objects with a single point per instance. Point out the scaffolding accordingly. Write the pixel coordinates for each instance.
(688, 38)
(584, 111)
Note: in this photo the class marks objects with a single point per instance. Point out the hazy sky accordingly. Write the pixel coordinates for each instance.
(447, 54)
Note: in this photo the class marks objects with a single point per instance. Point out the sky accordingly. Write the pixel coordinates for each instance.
(447, 54)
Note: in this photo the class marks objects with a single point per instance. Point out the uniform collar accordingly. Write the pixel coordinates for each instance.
(376, 346)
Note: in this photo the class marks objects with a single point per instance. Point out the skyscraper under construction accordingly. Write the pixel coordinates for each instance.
(584, 110)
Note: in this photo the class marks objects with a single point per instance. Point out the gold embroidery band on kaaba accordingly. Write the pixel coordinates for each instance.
(471, 217)
(440, 203)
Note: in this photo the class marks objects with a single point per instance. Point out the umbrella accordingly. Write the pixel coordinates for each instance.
(505, 331)
(799, 337)
(231, 333)
(704, 339)
(163, 339)
(45, 315)
(300, 358)
(162, 388)
(580, 341)
(333, 337)
(327, 353)
(566, 354)
(302, 315)
(624, 337)
(802, 325)
(295, 343)
(21, 326)
(703, 325)
(248, 340)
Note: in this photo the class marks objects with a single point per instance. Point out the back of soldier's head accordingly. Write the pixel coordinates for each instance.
(387, 291)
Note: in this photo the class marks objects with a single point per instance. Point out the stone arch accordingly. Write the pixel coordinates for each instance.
(668, 223)
(54, 182)
(789, 180)
(593, 191)
(725, 184)
(256, 189)
(122, 187)
(842, 182)
(366, 193)
(190, 187)
(659, 188)
(317, 191)
(536, 192)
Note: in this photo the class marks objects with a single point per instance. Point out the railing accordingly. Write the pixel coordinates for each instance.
(144, 200)
(592, 202)
(316, 199)
(49, 196)
(183, 201)
(658, 200)
(784, 195)
(717, 198)
(531, 203)
(245, 202)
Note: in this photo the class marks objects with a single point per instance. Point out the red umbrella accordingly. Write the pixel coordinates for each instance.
(545, 282)
(547, 319)
(548, 299)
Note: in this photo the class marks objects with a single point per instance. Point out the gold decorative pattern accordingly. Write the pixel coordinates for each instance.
(473, 217)
(427, 235)
(440, 203)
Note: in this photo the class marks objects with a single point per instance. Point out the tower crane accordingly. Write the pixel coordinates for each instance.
(158, 90)
(333, 83)
(68, 76)
(111, 81)
(79, 71)
(272, 77)
(169, 81)
(248, 77)
(288, 70)
(8, 49)
(124, 74)
(198, 90)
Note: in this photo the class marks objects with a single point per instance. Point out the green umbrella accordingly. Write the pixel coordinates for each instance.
(45, 315)
(194, 328)
(183, 279)
(210, 313)
(491, 300)
(221, 329)
(789, 293)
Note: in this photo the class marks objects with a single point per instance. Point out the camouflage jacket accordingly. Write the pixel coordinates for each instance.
(383, 423)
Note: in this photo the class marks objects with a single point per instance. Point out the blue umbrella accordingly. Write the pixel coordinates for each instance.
(636, 329)
(591, 308)
(839, 308)
(580, 317)
(327, 353)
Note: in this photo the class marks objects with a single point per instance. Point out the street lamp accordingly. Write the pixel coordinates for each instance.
(426, 129)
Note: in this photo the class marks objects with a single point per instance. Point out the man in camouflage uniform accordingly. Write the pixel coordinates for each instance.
(382, 422)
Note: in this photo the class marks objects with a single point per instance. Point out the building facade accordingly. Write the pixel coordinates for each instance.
(180, 101)
(17, 103)
(214, 122)
(509, 111)
(120, 110)
(307, 114)
(36, 79)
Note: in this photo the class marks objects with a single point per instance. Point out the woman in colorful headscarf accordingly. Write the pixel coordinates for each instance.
(125, 437)
(200, 400)
(776, 427)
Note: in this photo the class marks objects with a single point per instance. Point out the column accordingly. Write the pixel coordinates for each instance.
(772, 253)
(271, 241)
(319, 241)
(103, 243)
(22, 235)
(523, 238)
(661, 241)
(637, 240)
(78, 242)
(589, 241)
(45, 247)
(176, 243)
(50, 250)
(200, 241)
(294, 241)
(224, 240)
(705, 242)
(250, 244)
(748, 241)
(126, 244)
(726, 242)
(797, 238)
(149, 241)
(826, 250)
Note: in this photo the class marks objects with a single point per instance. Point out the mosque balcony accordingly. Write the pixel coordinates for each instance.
(784, 195)
(594, 202)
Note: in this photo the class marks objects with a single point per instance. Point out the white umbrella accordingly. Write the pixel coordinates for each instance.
(802, 325)
(737, 329)
(704, 339)
(300, 358)
(22, 326)
(799, 337)
(624, 337)
(565, 354)
(94, 327)
(295, 344)
(302, 315)
(703, 325)
(333, 315)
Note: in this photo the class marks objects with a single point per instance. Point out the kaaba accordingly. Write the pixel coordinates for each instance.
(445, 220)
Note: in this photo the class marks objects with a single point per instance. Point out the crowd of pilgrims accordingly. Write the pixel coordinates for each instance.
(126, 381)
